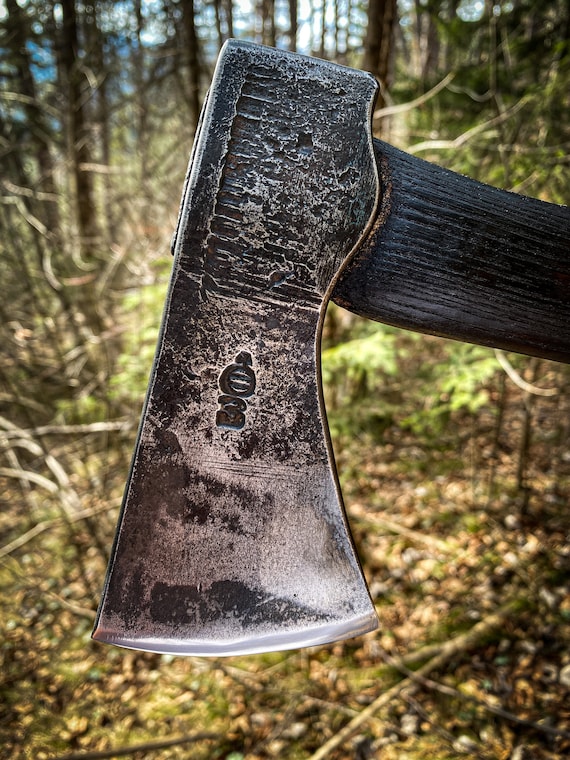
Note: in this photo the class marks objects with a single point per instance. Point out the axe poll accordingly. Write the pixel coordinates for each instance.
(232, 536)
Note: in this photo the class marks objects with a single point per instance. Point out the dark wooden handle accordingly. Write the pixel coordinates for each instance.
(453, 257)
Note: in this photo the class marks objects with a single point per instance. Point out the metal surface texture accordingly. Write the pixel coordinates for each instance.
(232, 538)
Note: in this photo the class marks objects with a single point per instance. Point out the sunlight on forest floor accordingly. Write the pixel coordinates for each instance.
(469, 575)
(456, 480)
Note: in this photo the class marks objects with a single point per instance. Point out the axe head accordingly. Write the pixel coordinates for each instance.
(232, 537)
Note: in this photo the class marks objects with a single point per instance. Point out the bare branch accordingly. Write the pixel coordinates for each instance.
(19, 97)
(448, 651)
(32, 477)
(100, 168)
(404, 107)
(28, 192)
(62, 487)
(32, 220)
(85, 429)
(379, 521)
(469, 134)
(133, 749)
(449, 691)
(518, 380)
(44, 525)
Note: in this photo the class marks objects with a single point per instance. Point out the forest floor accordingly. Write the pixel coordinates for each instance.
(469, 568)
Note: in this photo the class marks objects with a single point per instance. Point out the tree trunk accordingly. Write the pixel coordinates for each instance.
(224, 20)
(293, 25)
(79, 144)
(193, 61)
(431, 49)
(338, 53)
(449, 50)
(230, 17)
(46, 210)
(218, 16)
(347, 45)
(138, 64)
(101, 118)
(268, 30)
(378, 47)
(322, 46)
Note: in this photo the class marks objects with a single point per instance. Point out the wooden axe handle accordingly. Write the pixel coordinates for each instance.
(452, 257)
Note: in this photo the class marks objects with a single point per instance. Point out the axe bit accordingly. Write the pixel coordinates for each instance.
(232, 537)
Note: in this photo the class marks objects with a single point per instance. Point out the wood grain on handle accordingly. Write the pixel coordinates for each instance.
(452, 257)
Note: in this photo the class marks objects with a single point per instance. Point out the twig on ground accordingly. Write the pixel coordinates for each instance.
(435, 727)
(414, 535)
(449, 691)
(84, 429)
(377, 520)
(145, 747)
(447, 652)
(75, 609)
(47, 524)
(422, 654)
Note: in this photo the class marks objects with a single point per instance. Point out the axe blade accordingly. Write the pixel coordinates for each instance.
(232, 537)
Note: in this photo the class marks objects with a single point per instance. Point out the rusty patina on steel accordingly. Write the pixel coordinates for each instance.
(232, 537)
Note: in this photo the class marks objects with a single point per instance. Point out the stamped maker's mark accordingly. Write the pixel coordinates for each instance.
(237, 383)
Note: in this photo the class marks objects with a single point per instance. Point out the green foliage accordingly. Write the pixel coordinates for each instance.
(389, 376)
(142, 309)
(508, 103)
(456, 383)
(400, 400)
(355, 371)
(361, 364)
(81, 410)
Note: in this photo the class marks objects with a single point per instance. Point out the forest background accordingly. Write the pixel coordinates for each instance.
(454, 459)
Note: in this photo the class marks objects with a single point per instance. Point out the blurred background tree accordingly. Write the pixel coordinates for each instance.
(99, 103)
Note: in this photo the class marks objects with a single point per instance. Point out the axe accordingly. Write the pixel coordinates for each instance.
(232, 537)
